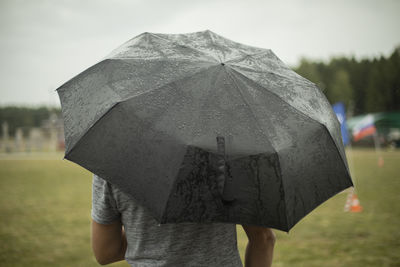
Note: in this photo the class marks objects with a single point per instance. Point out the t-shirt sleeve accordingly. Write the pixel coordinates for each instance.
(104, 207)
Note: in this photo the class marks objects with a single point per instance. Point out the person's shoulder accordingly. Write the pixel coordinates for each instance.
(102, 185)
(99, 182)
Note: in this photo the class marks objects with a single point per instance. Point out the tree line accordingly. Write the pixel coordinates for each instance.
(17, 116)
(365, 86)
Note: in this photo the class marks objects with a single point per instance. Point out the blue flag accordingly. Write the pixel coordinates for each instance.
(341, 115)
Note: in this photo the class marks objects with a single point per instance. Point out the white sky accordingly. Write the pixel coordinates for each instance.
(43, 43)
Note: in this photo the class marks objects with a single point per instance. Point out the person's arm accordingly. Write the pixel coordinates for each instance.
(108, 242)
(108, 237)
(260, 248)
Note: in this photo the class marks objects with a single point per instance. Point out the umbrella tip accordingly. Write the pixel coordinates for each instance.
(222, 63)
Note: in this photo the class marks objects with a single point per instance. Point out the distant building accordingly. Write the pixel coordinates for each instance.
(53, 130)
(48, 137)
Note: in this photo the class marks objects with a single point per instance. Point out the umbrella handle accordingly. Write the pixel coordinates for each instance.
(224, 179)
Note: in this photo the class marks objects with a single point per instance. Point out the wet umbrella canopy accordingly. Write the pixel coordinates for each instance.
(198, 128)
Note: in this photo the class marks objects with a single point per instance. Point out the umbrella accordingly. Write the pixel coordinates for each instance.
(198, 128)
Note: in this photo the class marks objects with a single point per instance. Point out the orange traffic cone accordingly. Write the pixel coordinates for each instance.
(355, 204)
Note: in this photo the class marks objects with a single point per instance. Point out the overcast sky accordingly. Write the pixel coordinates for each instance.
(46, 42)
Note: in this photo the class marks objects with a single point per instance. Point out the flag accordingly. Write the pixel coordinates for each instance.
(364, 128)
(340, 111)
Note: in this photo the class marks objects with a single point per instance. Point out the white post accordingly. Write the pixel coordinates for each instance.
(5, 136)
(378, 150)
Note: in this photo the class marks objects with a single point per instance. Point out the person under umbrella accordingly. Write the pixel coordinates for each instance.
(200, 129)
(124, 230)
(118, 220)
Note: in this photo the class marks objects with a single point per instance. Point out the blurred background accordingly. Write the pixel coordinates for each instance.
(350, 49)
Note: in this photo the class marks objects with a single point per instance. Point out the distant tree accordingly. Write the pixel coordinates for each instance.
(367, 85)
(358, 73)
(340, 88)
(383, 90)
(394, 80)
(24, 116)
(308, 69)
(376, 90)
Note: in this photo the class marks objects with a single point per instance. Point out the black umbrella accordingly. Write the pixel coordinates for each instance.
(198, 128)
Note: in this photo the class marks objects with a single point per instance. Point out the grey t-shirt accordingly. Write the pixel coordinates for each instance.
(151, 244)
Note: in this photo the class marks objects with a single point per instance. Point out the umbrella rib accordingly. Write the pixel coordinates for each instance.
(160, 59)
(169, 83)
(85, 133)
(184, 45)
(248, 105)
(213, 42)
(233, 65)
(123, 45)
(257, 123)
(207, 57)
(240, 58)
(142, 93)
(299, 112)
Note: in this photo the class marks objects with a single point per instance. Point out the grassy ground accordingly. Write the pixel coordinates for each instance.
(45, 217)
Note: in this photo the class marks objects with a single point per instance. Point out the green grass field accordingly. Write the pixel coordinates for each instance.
(45, 217)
